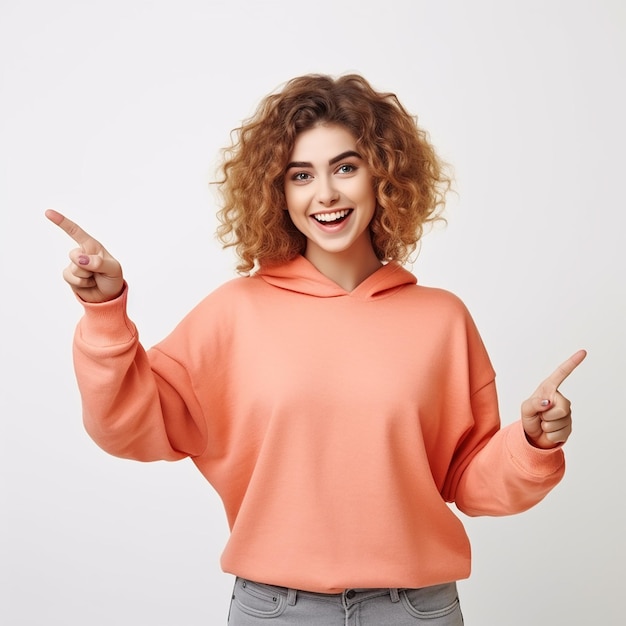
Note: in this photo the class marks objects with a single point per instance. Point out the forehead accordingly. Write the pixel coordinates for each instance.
(323, 141)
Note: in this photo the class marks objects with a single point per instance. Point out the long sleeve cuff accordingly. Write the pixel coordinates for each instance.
(536, 462)
(106, 323)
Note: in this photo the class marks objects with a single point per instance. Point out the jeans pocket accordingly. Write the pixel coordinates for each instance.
(257, 600)
(440, 602)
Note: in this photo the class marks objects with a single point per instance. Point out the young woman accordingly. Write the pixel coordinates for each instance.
(334, 404)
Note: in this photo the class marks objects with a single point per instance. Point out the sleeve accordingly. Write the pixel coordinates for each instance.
(504, 474)
(493, 470)
(130, 410)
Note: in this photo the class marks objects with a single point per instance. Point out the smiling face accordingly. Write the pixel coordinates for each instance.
(330, 197)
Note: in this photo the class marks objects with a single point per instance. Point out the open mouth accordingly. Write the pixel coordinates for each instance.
(332, 218)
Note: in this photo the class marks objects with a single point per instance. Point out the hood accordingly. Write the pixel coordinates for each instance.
(301, 276)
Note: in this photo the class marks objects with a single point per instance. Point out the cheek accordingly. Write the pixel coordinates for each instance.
(367, 197)
(296, 198)
(364, 192)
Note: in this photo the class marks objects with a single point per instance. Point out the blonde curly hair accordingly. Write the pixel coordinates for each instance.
(410, 180)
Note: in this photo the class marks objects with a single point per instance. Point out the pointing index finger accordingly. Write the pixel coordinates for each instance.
(72, 229)
(566, 368)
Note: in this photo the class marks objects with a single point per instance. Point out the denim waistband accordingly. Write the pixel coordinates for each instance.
(346, 597)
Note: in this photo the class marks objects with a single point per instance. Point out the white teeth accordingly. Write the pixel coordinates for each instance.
(331, 217)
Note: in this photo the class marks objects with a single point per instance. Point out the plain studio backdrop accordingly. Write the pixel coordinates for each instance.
(115, 113)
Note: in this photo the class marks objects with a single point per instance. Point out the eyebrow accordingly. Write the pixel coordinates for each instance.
(339, 157)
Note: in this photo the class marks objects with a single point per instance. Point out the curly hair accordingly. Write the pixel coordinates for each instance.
(410, 181)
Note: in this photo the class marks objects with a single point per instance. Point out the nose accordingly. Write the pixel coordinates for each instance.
(327, 195)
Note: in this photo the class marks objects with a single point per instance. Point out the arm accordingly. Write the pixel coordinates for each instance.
(128, 409)
(521, 463)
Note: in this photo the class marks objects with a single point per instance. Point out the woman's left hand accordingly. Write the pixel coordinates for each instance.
(546, 415)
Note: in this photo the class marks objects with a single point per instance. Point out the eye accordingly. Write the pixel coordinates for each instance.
(346, 168)
(301, 177)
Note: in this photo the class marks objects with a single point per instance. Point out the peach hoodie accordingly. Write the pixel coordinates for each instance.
(334, 425)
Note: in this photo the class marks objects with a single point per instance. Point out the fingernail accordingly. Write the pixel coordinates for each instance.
(83, 259)
(545, 402)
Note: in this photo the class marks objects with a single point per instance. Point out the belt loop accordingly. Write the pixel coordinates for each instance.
(395, 596)
(291, 597)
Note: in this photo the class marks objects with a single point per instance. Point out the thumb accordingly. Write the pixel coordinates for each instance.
(103, 264)
(536, 405)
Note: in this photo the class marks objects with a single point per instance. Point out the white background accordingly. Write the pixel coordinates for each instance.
(114, 112)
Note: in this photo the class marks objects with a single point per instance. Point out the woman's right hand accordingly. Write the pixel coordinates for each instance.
(93, 274)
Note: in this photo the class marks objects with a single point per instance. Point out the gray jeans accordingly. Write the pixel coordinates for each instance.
(254, 604)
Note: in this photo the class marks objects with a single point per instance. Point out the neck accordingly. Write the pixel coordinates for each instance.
(347, 269)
